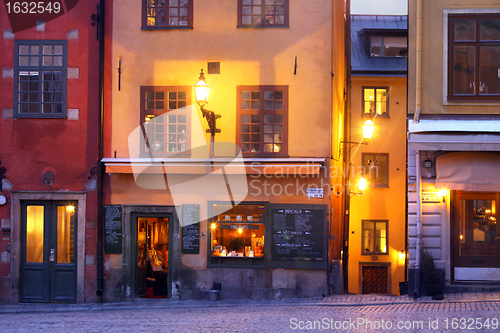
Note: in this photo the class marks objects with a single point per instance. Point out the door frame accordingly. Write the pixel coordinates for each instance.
(387, 265)
(15, 262)
(129, 266)
(455, 216)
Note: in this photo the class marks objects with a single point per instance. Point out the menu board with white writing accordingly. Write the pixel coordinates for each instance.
(190, 229)
(297, 234)
(112, 229)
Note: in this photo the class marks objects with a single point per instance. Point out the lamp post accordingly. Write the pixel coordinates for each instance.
(202, 91)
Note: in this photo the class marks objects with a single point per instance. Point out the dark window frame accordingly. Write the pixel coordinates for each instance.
(366, 172)
(382, 37)
(374, 114)
(40, 68)
(477, 43)
(363, 252)
(263, 25)
(144, 16)
(164, 111)
(261, 112)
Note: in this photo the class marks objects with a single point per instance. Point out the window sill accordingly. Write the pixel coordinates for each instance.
(374, 254)
(165, 28)
(261, 26)
(371, 115)
(39, 116)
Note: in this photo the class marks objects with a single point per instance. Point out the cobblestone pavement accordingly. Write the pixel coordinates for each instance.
(334, 314)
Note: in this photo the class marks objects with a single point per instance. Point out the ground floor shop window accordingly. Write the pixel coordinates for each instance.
(237, 234)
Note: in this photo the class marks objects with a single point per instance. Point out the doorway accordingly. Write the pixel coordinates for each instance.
(152, 257)
(48, 270)
(475, 235)
(375, 278)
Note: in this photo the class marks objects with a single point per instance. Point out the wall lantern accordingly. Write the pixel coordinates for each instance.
(368, 129)
(202, 91)
(443, 193)
(361, 187)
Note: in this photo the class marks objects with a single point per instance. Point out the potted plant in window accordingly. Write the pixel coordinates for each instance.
(430, 276)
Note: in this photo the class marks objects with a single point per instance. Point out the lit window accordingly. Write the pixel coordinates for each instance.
(262, 119)
(167, 13)
(263, 13)
(166, 122)
(375, 237)
(375, 101)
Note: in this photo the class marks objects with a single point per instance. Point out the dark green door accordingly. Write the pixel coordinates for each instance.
(48, 256)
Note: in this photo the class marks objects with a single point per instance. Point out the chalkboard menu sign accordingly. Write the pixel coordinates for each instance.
(297, 234)
(190, 229)
(113, 229)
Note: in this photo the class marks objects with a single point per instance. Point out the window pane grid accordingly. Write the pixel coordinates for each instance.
(262, 120)
(40, 82)
(263, 12)
(475, 50)
(167, 13)
(375, 169)
(375, 101)
(375, 237)
(166, 133)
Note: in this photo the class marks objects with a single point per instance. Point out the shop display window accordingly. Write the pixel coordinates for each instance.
(237, 234)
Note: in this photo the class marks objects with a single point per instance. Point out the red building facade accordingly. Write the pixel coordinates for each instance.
(49, 97)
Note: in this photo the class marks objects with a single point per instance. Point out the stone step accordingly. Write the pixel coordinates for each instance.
(472, 287)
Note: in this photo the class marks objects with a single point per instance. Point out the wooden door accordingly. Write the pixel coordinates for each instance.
(374, 280)
(48, 256)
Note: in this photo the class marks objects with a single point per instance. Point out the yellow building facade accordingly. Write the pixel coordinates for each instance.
(377, 215)
(277, 75)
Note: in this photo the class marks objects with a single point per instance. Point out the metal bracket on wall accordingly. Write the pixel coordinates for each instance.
(95, 20)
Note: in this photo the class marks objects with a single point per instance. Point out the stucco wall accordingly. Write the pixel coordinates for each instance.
(432, 56)
(247, 57)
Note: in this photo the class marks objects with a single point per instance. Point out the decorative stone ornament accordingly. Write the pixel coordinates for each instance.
(48, 178)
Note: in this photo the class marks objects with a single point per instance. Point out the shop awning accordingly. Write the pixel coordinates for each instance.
(454, 141)
(201, 166)
(454, 134)
(468, 171)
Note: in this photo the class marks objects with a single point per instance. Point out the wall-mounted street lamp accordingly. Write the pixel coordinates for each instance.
(361, 187)
(202, 91)
(368, 129)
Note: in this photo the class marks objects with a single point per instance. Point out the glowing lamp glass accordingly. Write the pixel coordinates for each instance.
(362, 184)
(368, 128)
(70, 209)
(201, 90)
(240, 230)
(443, 192)
(214, 226)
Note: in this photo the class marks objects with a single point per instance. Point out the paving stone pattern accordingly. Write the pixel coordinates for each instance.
(346, 313)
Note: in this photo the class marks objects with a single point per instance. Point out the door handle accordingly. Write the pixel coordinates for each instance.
(51, 257)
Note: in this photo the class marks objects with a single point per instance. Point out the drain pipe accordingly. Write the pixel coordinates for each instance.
(418, 63)
(100, 166)
(416, 289)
